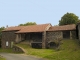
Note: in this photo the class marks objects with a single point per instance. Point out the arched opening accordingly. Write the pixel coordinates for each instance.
(52, 45)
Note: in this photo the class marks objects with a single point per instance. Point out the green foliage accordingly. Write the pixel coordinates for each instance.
(2, 28)
(28, 23)
(69, 18)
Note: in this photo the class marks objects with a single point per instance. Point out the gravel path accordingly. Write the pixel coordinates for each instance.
(9, 56)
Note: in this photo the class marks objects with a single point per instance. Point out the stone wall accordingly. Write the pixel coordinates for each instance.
(44, 40)
(8, 38)
(52, 36)
(74, 35)
(18, 49)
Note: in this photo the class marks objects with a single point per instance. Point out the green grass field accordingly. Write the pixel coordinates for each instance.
(6, 50)
(69, 50)
(1, 58)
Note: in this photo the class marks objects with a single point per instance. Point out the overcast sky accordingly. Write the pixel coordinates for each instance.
(15, 12)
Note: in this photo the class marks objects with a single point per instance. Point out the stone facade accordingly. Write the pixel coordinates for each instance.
(17, 49)
(53, 39)
(40, 35)
(73, 35)
(44, 39)
(52, 36)
(8, 38)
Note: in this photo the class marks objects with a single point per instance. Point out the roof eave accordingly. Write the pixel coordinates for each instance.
(9, 30)
(61, 30)
(28, 32)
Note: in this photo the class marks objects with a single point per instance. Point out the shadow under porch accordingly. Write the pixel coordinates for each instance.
(33, 39)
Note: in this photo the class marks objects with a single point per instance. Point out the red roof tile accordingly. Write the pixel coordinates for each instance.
(40, 28)
(14, 28)
(62, 28)
(32, 28)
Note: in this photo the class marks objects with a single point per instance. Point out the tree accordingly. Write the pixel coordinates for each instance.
(2, 28)
(69, 18)
(28, 23)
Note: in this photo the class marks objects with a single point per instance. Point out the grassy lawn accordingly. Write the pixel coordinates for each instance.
(1, 58)
(69, 50)
(6, 50)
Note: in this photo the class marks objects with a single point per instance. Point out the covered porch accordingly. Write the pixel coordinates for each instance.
(34, 39)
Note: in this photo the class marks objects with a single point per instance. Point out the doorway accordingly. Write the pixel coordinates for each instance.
(66, 34)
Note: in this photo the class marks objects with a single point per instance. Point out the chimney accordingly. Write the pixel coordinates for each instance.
(6, 26)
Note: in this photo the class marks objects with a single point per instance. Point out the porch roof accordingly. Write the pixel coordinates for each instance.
(62, 28)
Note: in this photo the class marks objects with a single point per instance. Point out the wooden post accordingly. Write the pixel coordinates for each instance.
(18, 38)
(61, 35)
(70, 35)
(44, 40)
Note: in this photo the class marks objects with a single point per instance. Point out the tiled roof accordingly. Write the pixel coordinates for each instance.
(40, 28)
(14, 28)
(62, 28)
(32, 28)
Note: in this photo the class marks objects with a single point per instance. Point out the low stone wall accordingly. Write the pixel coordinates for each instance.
(18, 49)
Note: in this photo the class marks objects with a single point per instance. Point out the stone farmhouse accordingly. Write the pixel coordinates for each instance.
(43, 36)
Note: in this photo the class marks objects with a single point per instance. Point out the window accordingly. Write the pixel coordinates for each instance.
(6, 43)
